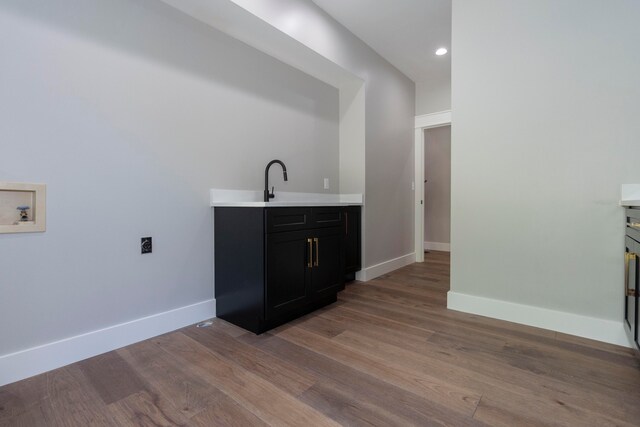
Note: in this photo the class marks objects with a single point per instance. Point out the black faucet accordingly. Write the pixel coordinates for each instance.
(268, 195)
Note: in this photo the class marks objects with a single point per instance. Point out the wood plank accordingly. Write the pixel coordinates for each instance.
(265, 400)
(397, 296)
(499, 409)
(146, 409)
(470, 321)
(426, 386)
(349, 315)
(33, 417)
(427, 280)
(288, 377)
(500, 379)
(564, 365)
(228, 328)
(495, 414)
(327, 327)
(419, 290)
(19, 397)
(226, 412)
(72, 400)
(541, 339)
(408, 406)
(341, 405)
(111, 376)
(598, 349)
(188, 393)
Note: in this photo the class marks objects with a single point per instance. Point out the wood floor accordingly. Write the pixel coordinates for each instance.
(388, 353)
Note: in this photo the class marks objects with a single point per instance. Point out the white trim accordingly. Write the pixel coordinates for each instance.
(433, 120)
(36, 360)
(437, 246)
(385, 267)
(418, 196)
(423, 122)
(574, 324)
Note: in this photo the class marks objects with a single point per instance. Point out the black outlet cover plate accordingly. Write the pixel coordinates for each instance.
(146, 245)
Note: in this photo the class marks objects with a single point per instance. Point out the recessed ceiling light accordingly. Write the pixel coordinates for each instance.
(441, 51)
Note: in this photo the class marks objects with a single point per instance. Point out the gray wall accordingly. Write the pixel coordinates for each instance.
(433, 95)
(129, 111)
(437, 189)
(545, 104)
(390, 118)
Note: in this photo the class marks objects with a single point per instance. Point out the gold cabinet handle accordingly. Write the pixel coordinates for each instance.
(310, 256)
(315, 264)
(628, 256)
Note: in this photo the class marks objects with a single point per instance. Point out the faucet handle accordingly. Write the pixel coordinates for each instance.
(271, 195)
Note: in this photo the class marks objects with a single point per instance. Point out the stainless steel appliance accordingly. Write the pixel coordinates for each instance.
(631, 288)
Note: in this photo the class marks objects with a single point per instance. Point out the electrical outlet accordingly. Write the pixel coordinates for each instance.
(146, 245)
(326, 183)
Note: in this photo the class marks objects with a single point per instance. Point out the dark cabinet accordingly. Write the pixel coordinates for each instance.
(288, 276)
(327, 273)
(275, 264)
(302, 266)
(631, 275)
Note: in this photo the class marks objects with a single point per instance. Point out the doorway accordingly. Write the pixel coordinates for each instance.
(426, 121)
(437, 188)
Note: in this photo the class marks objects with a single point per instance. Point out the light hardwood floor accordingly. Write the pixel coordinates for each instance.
(387, 353)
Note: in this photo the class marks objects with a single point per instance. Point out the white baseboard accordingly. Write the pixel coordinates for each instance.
(377, 270)
(437, 246)
(36, 360)
(573, 324)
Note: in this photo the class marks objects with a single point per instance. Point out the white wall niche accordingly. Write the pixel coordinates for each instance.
(16, 194)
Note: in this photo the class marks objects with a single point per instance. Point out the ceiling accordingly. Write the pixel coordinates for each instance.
(405, 32)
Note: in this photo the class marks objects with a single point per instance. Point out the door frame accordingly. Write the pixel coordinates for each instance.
(425, 121)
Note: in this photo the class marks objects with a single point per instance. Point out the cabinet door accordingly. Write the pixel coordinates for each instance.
(632, 251)
(352, 239)
(327, 275)
(288, 272)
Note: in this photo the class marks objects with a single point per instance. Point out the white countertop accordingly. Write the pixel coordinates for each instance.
(254, 199)
(630, 195)
(275, 204)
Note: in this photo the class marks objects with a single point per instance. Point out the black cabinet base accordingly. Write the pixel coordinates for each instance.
(273, 265)
(258, 326)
